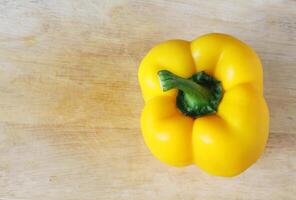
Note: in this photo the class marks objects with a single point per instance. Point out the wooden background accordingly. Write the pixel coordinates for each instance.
(70, 102)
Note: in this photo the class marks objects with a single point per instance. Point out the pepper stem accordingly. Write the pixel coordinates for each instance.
(196, 95)
(196, 91)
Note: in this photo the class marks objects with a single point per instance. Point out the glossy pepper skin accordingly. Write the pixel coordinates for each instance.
(224, 143)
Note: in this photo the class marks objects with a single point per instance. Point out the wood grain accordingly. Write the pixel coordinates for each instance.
(70, 100)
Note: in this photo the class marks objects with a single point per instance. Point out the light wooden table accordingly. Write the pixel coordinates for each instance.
(70, 101)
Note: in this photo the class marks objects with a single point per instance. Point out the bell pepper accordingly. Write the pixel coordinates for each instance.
(204, 104)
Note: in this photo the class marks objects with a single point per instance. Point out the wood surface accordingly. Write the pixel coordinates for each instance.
(70, 101)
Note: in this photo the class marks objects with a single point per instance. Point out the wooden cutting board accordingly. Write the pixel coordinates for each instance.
(70, 102)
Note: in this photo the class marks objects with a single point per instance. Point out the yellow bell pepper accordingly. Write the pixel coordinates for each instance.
(204, 104)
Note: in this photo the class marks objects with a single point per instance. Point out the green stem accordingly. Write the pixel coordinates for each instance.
(198, 95)
(195, 91)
